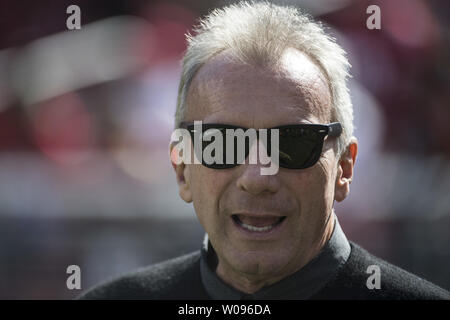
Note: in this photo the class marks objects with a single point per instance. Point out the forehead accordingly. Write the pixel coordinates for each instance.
(225, 90)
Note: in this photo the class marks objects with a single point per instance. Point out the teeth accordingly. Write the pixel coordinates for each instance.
(258, 229)
(254, 228)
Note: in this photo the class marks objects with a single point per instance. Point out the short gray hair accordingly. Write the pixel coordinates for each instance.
(259, 32)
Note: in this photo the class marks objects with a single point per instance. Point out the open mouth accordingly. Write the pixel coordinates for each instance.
(257, 224)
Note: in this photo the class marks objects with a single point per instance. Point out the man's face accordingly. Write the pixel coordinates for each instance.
(254, 97)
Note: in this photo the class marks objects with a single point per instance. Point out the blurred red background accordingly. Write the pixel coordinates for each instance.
(86, 117)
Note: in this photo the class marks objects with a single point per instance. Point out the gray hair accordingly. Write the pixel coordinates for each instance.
(259, 33)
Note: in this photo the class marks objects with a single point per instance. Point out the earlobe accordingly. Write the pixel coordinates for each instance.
(344, 174)
(342, 186)
(181, 171)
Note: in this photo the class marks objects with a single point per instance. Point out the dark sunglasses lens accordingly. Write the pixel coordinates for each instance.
(299, 147)
(209, 136)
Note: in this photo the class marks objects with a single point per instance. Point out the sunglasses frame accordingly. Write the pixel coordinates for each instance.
(324, 130)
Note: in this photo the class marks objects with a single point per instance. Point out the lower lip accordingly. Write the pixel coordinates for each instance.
(260, 235)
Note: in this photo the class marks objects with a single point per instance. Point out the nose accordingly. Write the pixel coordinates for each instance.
(251, 180)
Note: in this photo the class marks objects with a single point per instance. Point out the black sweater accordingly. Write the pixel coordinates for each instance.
(180, 278)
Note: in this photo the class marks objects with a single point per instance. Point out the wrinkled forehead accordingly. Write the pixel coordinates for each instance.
(293, 87)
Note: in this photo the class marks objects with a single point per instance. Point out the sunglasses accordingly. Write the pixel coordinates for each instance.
(300, 145)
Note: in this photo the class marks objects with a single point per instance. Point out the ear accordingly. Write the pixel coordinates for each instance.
(344, 174)
(181, 173)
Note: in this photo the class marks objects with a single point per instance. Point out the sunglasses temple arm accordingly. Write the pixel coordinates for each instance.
(334, 129)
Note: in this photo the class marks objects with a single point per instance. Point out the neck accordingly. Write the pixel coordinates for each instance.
(251, 283)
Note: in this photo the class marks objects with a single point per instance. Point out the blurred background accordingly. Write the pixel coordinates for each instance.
(86, 117)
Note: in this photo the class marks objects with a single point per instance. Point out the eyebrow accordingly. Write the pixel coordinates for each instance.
(334, 128)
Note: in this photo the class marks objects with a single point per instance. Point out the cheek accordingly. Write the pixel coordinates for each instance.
(314, 188)
(328, 171)
(310, 183)
(323, 173)
(207, 187)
